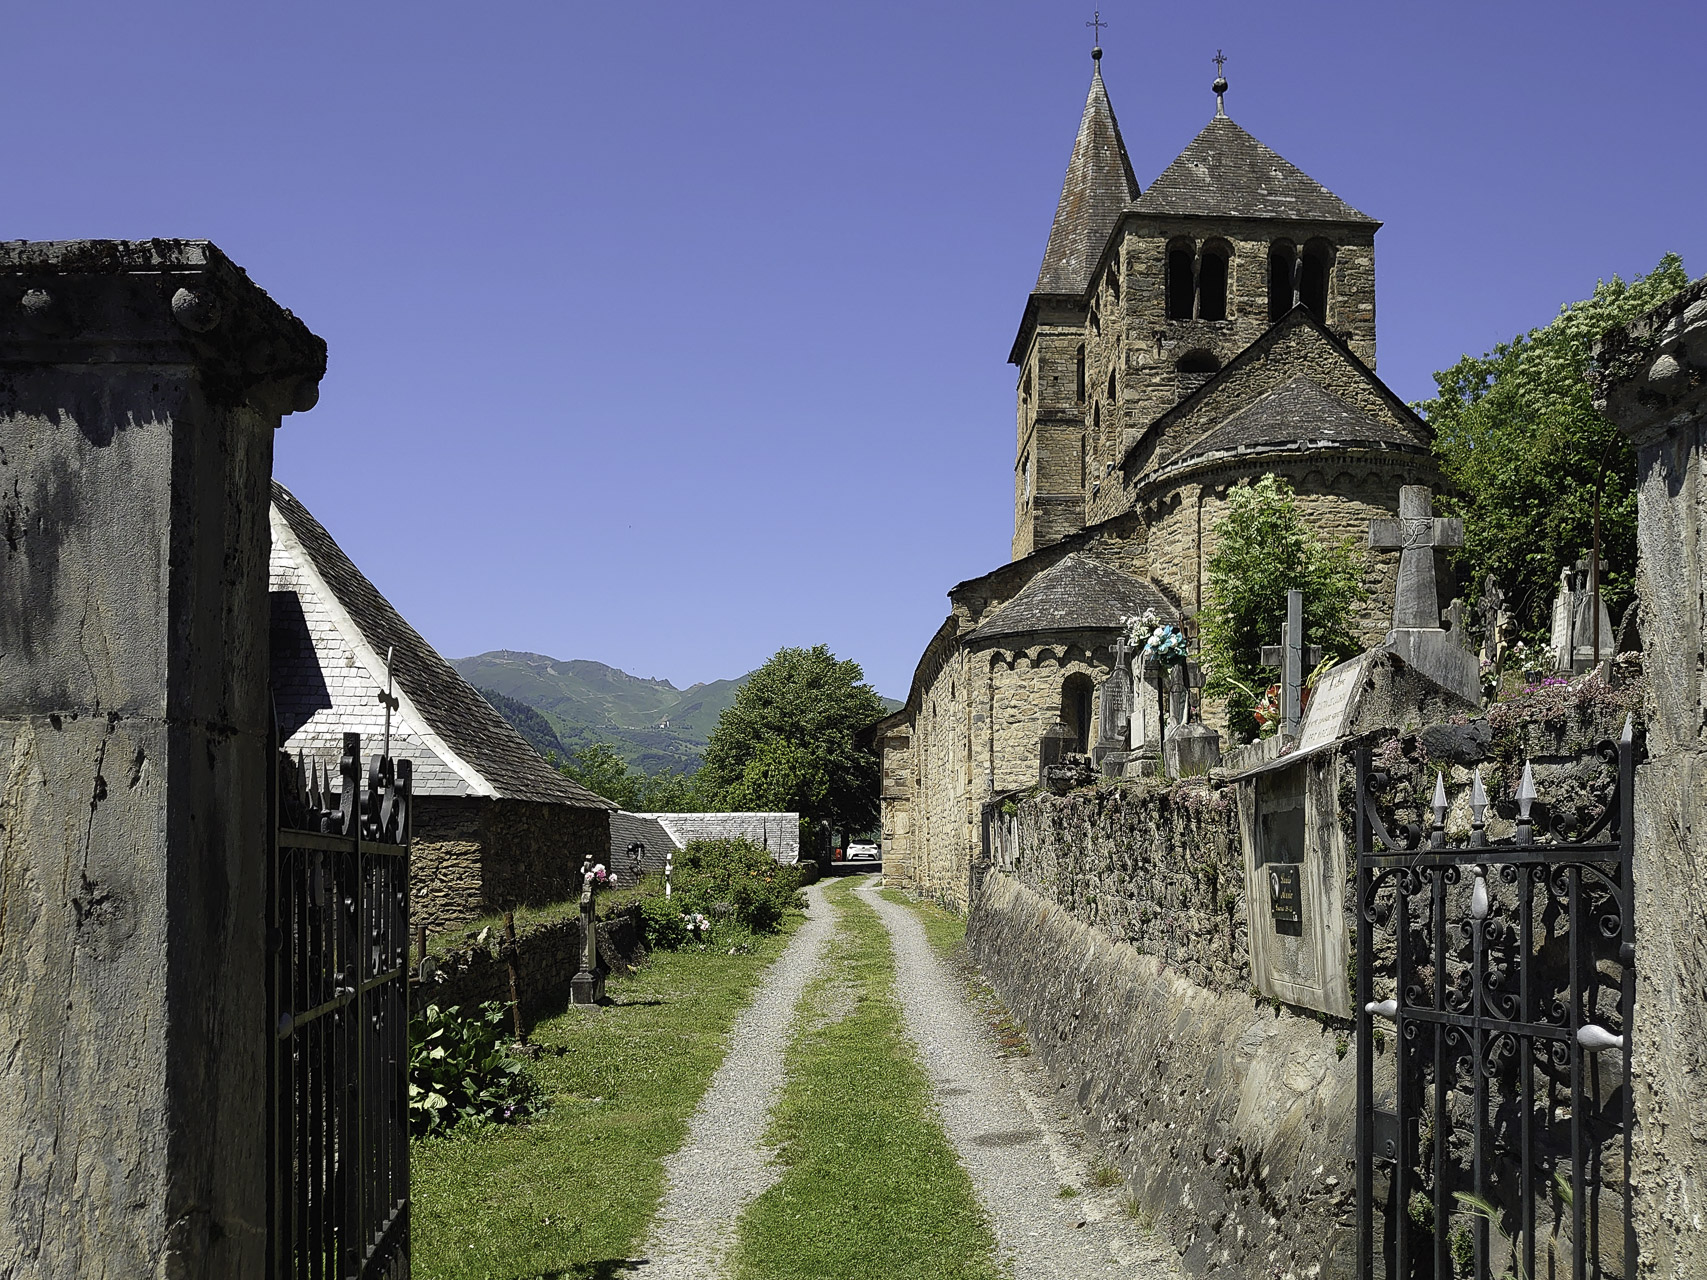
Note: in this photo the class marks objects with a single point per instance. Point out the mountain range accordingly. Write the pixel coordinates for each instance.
(652, 724)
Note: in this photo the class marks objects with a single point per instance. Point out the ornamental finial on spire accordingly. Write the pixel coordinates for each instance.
(1096, 24)
(1220, 85)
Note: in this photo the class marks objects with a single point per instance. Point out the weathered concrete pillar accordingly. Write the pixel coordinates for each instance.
(140, 384)
(1653, 383)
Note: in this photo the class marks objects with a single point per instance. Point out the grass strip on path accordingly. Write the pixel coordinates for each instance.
(945, 930)
(571, 1193)
(871, 1186)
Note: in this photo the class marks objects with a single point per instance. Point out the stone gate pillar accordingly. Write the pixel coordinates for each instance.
(140, 384)
(1652, 381)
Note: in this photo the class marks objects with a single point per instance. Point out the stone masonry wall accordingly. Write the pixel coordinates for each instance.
(1113, 924)
(547, 959)
(472, 855)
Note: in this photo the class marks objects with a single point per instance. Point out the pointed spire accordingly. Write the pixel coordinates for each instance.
(1098, 187)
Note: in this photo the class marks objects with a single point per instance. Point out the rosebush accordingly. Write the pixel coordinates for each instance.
(737, 878)
(461, 1069)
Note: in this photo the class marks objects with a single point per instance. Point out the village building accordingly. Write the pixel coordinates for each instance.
(661, 834)
(1208, 330)
(495, 826)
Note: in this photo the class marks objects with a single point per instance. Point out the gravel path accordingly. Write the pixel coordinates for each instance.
(723, 1166)
(1013, 1133)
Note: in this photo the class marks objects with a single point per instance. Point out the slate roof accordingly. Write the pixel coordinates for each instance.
(464, 721)
(1099, 186)
(1224, 172)
(1075, 594)
(1298, 412)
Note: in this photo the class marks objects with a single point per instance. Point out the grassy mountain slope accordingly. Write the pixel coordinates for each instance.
(651, 723)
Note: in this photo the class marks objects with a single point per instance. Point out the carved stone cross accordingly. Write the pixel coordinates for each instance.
(1292, 656)
(1415, 535)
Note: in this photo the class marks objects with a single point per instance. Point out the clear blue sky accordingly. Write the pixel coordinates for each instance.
(668, 334)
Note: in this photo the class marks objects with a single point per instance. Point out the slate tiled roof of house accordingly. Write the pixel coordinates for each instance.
(1076, 594)
(1224, 172)
(331, 631)
(1099, 186)
(1294, 413)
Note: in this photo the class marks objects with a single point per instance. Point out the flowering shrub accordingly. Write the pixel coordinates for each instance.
(697, 925)
(737, 876)
(460, 1070)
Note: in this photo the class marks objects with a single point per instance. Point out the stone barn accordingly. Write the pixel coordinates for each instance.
(495, 826)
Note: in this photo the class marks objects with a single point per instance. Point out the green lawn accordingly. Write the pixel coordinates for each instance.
(570, 1194)
(871, 1186)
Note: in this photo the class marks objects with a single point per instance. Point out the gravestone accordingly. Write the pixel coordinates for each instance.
(1114, 715)
(1417, 635)
(1576, 610)
(1491, 620)
(1292, 656)
(141, 384)
(587, 987)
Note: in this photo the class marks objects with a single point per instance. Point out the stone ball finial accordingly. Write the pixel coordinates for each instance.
(1220, 85)
(196, 310)
(1096, 54)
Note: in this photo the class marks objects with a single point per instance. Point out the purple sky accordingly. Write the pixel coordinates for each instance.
(669, 334)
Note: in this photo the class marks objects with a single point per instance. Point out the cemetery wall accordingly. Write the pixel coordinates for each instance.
(547, 958)
(472, 855)
(1113, 924)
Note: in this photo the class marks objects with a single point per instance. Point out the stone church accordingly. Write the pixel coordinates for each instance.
(1214, 327)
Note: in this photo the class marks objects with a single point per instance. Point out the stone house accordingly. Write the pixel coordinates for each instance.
(1211, 329)
(494, 825)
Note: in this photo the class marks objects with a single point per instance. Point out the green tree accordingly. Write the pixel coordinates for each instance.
(1263, 549)
(601, 770)
(791, 731)
(1521, 445)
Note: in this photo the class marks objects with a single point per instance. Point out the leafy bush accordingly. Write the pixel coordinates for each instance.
(737, 879)
(666, 928)
(460, 1069)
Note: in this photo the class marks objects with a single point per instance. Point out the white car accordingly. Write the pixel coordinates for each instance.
(865, 853)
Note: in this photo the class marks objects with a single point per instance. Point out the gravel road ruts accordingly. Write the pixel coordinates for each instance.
(723, 1166)
(1017, 1134)
(1014, 1134)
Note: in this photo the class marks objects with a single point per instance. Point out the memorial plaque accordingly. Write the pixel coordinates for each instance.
(1285, 899)
(1295, 881)
(1330, 705)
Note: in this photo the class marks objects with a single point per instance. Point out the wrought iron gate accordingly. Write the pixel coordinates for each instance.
(1504, 974)
(339, 930)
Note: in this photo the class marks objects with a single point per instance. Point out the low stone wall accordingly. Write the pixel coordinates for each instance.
(1113, 924)
(547, 959)
(1118, 942)
(472, 856)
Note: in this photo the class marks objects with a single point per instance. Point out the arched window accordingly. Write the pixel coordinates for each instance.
(1076, 709)
(1212, 284)
(1079, 375)
(1198, 361)
(1113, 283)
(1282, 259)
(1082, 463)
(1313, 278)
(1181, 287)
(1111, 388)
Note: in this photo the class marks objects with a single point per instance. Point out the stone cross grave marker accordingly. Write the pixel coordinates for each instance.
(588, 986)
(1292, 655)
(1417, 635)
(1114, 712)
(1415, 535)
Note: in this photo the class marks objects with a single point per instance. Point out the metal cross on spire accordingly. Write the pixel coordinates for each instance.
(1096, 24)
(388, 700)
(1220, 85)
